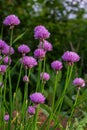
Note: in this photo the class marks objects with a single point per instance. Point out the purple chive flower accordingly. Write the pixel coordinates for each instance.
(29, 61)
(3, 69)
(37, 98)
(25, 78)
(39, 53)
(79, 82)
(8, 50)
(44, 76)
(45, 45)
(40, 32)
(56, 65)
(2, 45)
(7, 60)
(70, 57)
(31, 110)
(6, 117)
(24, 49)
(11, 20)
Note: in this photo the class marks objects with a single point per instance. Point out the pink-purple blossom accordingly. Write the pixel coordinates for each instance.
(7, 60)
(45, 45)
(31, 110)
(24, 49)
(8, 50)
(3, 69)
(56, 65)
(70, 57)
(39, 53)
(40, 32)
(25, 78)
(2, 45)
(28, 61)
(11, 20)
(6, 117)
(44, 76)
(37, 98)
(79, 82)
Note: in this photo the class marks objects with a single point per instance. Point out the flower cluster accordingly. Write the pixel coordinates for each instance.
(28, 61)
(56, 65)
(79, 82)
(45, 45)
(70, 57)
(44, 76)
(24, 49)
(39, 53)
(37, 98)
(40, 32)
(11, 20)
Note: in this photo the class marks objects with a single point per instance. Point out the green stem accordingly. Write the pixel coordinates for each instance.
(19, 77)
(11, 37)
(74, 105)
(53, 102)
(24, 107)
(68, 77)
(35, 118)
(65, 88)
(10, 97)
(42, 83)
(38, 79)
(42, 88)
(10, 85)
(15, 65)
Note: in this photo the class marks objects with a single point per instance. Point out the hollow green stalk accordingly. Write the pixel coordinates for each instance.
(19, 77)
(65, 88)
(60, 102)
(1, 100)
(24, 107)
(42, 83)
(38, 79)
(10, 97)
(35, 118)
(10, 85)
(73, 108)
(53, 102)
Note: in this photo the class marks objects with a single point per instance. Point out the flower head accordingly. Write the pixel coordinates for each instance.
(6, 117)
(8, 50)
(39, 53)
(29, 61)
(7, 60)
(37, 98)
(11, 20)
(25, 78)
(40, 32)
(2, 45)
(44, 76)
(3, 69)
(70, 57)
(45, 45)
(31, 110)
(79, 82)
(24, 49)
(56, 65)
